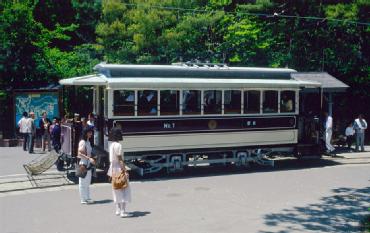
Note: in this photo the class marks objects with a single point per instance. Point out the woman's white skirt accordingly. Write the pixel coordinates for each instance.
(119, 195)
(122, 195)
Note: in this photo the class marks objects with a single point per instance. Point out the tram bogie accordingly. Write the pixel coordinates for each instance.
(176, 162)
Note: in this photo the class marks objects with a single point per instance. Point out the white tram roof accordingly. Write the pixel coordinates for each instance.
(148, 82)
(138, 76)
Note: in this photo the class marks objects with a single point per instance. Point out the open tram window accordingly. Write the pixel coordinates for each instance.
(124, 103)
(270, 101)
(191, 102)
(147, 102)
(170, 102)
(287, 101)
(252, 100)
(232, 102)
(212, 102)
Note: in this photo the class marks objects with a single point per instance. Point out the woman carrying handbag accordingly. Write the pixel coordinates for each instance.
(121, 196)
(86, 161)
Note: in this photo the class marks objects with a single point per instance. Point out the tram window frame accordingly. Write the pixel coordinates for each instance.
(129, 105)
(152, 103)
(198, 100)
(216, 109)
(231, 107)
(256, 108)
(175, 104)
(291, 95)
(267, 104)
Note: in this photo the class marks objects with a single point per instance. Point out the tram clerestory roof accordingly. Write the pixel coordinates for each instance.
(181, 76)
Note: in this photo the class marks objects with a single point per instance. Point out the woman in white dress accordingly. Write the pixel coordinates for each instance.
(120, 196)
(84, 154)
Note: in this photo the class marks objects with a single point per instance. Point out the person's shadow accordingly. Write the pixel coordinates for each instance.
(136, 214)
(105, 201)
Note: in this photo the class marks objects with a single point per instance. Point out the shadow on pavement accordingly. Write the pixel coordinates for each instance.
(136, 214)
(343, 150)
(105, 201)
(221, 170)
(340, 212)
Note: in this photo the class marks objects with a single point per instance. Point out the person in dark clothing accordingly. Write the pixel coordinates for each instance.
(55, 134)
(44, 124)
(350, 132)
(85, 126)
(77, 129)
(32, 133)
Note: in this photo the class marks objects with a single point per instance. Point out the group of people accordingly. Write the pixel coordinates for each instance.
(120, 196)
(355, 130)
(50, 132)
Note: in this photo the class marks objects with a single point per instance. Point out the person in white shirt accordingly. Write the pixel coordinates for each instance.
(360, 125)
(120, 196)
(91, 120)
(24, 130)
(84, 154)
(328, 132)
(350, 132)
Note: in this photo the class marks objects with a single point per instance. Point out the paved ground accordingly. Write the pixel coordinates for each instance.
(331, 195)
(14, 177)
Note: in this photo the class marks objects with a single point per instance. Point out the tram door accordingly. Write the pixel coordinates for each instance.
(309, 117)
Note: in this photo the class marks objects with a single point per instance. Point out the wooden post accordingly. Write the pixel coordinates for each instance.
(330, 104)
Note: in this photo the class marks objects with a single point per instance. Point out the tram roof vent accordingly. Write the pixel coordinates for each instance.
(200, 64)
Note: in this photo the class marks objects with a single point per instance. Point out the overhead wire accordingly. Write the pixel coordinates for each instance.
(276, 15)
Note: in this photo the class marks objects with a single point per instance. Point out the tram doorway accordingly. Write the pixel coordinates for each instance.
(315, 101)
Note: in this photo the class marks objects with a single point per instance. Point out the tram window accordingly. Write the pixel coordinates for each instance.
(124, 103)
(147, 102)
(212, 102)
(287, 102)
(270, 101)
(252, 100)
(170, 102)
(191, 102)
(232, 102)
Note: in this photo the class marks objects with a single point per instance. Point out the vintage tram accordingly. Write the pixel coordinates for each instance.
(192, 114)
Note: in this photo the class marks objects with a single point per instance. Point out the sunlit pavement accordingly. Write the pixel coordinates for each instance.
(332, 197)
(13, 177)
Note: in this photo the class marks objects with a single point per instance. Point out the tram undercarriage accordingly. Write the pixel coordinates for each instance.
(154, 162)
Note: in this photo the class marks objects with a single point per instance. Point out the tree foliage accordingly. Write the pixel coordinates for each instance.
(44, 41)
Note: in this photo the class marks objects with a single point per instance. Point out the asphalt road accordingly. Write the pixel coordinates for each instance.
(324, 196)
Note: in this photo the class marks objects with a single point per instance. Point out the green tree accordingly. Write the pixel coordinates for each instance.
(140, 32)
(196, 36)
